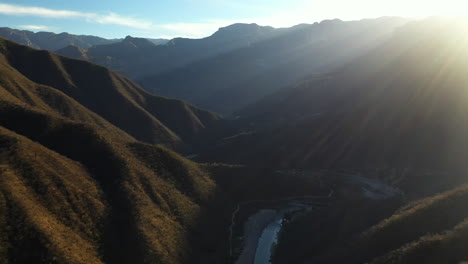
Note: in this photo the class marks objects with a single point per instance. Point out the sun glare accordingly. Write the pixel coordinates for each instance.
(358, 9)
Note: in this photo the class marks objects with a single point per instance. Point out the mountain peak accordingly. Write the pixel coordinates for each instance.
(240, 30)
(137, 42)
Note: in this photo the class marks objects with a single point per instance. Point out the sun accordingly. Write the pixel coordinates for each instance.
(358, 9)
(457, 8)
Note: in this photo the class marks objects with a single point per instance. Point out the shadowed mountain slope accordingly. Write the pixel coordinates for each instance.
(137, 57)
(232, 80)
(403, 105)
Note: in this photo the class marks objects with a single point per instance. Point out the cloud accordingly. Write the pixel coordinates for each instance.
(35, 27)
(116, 19)
(110, 18)
(8, 9)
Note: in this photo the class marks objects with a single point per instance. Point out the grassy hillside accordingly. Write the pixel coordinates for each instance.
(144, 116)
(51, 207)
(77, 189)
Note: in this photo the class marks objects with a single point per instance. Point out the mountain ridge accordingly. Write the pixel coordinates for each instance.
(229, 81)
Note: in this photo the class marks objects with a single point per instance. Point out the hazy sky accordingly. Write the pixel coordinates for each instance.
(200, 18)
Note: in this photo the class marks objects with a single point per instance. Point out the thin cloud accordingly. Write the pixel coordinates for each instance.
(111, 18)
(35, 27)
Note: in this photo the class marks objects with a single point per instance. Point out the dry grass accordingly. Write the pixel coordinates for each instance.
(75, 186)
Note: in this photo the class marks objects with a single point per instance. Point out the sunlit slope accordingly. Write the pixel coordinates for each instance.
(51, 209)
(146, 117)
(403, 105)
(77, 189)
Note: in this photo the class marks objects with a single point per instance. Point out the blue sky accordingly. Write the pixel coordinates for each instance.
(198, 18)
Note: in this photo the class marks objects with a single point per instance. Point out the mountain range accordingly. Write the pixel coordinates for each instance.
(53, 42)
(230, 81)
(241, 63)
(137, 57)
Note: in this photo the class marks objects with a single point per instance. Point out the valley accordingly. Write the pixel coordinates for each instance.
(263, 227)
(331, 142)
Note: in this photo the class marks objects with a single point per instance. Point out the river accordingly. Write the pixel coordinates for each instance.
(261, 234)
(261, 229)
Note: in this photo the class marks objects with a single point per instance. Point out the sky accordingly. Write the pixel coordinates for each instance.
(200, 18)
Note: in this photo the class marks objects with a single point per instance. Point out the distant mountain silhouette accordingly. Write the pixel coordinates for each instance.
(232, 80)
(52, 41)
(142, 59)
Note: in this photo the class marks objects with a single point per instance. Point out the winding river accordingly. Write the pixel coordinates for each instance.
(261, 230)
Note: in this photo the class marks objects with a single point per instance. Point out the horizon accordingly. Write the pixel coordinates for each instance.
(210, 34)
(190, 19)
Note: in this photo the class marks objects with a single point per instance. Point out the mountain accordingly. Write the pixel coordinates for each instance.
(75, 187)
(135, 57)
(397, 114)
(401, 105)
(146, 117)
(73, 51)
(232, 80)
(428, 230)
(51, 41)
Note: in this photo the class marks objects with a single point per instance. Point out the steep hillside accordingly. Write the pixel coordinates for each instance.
(230, 81)
(431, 230)
(51, 41)
(73, 51)
(146, 117)
(45, 210)
(77, 189)
(137, 57)
(402, 106)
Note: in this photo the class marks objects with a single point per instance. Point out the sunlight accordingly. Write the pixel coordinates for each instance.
(352, 10)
